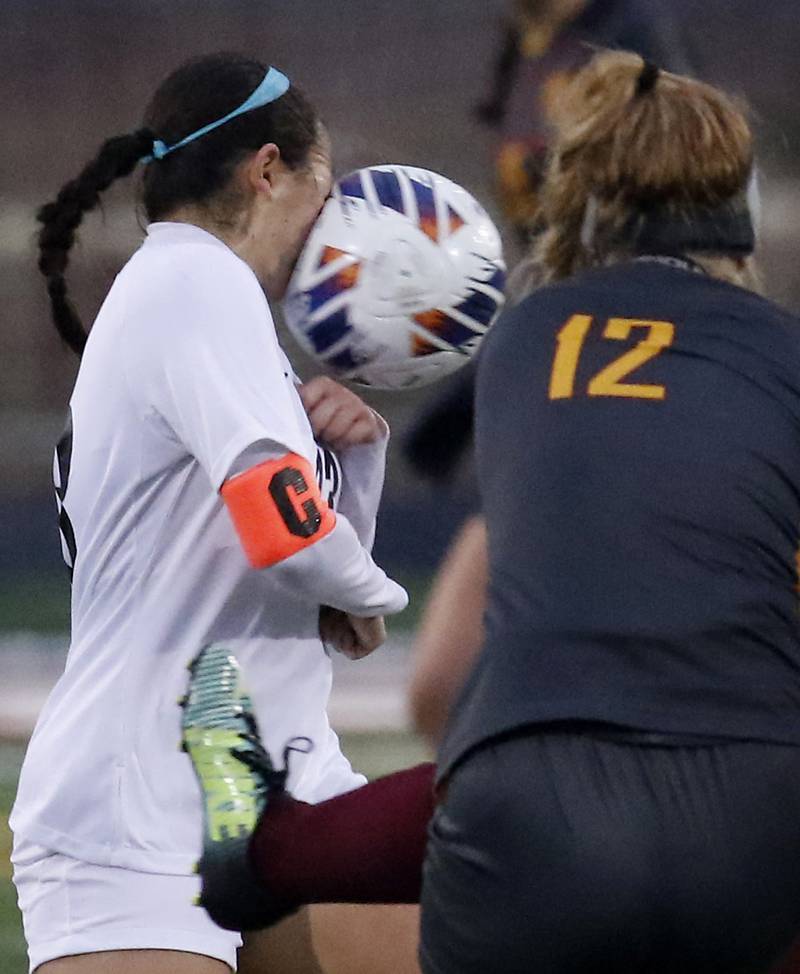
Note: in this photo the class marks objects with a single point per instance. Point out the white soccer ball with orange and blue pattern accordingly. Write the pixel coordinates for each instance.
(399, 280)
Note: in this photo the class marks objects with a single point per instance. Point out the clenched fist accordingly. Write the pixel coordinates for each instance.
(338, 417)
(352, 636)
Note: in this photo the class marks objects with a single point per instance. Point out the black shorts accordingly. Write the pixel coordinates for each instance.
(565, 853)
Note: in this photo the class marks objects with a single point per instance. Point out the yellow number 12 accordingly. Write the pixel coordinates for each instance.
(571, 338)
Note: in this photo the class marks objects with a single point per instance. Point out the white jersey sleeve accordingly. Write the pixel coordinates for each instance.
(362, 484)
(220, 382)
(216, 375)
(338, 570)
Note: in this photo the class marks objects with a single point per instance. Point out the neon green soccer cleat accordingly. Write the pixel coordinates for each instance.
(237, 778)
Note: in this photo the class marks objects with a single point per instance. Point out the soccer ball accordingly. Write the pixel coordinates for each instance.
(399, 280)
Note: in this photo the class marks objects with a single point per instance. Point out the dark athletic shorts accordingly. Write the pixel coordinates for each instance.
(580, 853)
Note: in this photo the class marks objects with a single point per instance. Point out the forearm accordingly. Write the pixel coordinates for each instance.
(338, 571)
(450, 633)
(286, 528)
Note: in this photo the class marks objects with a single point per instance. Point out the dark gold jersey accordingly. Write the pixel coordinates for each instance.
(638, 450)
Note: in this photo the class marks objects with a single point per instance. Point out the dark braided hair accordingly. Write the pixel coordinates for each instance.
(201, 91)
(61, 218)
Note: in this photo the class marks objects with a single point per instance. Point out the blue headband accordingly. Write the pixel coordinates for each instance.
(271, 88)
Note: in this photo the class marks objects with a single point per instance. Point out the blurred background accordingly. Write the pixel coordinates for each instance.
(396, 82)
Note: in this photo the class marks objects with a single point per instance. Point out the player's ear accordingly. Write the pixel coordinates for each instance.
(261, 168)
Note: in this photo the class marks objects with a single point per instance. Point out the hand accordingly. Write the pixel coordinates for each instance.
(338, 417)
(352, 636)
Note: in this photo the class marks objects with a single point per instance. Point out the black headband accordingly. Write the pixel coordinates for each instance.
(723, 229)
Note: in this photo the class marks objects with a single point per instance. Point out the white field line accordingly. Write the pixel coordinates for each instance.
(369, 695)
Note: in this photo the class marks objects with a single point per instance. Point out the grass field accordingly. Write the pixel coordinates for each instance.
(40, 604)
(374, 754)
(13, 959)
(35, 603)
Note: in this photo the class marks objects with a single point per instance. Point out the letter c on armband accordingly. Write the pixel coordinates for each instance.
(277, 509)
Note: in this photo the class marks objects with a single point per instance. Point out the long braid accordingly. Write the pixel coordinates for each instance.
(61, 218)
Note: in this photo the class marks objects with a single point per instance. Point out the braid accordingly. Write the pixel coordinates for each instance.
(60, 219)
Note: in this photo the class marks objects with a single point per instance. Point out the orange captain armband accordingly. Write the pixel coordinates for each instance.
(277, 509)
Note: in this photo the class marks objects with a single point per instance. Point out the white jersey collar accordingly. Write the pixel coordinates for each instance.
(168, 232)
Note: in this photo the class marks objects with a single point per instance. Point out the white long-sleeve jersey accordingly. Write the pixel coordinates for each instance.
(182, 375)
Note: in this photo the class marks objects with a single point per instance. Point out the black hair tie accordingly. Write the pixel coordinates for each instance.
(648, 78)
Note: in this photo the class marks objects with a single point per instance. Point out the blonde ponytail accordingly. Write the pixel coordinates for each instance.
(643, 158)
